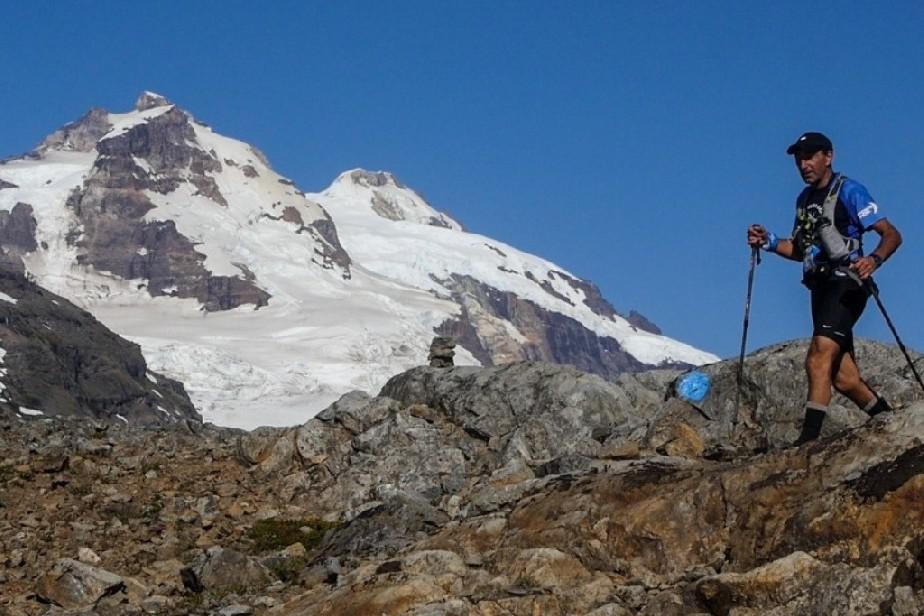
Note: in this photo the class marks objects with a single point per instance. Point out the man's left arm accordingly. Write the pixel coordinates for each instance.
(889, 241)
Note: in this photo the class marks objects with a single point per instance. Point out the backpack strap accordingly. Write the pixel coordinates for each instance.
(834, 192)
(838, 246)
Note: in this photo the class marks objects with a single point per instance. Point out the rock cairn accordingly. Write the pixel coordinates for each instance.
(441, 352)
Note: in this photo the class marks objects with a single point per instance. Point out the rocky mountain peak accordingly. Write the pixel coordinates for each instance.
(80, 135)
(149, 100)
(387, 197)
(375, 179)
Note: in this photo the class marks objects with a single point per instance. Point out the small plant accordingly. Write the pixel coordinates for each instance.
(149, 465)
(195, 601)
(287, 569)
(527, 582)
(153, 509)
(123, 512)
(81, 488)
(278, 534)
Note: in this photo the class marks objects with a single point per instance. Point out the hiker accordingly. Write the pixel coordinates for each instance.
(832, 213)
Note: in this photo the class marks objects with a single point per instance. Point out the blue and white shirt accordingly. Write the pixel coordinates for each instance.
(856, 211)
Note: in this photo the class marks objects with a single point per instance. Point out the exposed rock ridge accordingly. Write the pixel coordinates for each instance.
(594, 300)
(60, 361)
(150, 100)
(376, 179)
(641, 321)
(332, 252)
(17, 233)
(385, 206)
(541, 335)
(111, 207)
(79, 136)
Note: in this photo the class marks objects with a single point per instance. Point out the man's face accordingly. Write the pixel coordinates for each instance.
(812, 167)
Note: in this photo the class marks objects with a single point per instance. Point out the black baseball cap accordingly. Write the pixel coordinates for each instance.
(809, 143)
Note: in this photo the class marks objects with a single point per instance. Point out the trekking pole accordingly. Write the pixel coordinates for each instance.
(874, 291)
(755, 261)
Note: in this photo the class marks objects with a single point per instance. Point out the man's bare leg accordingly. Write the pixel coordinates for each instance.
(847, 380)
(823, 355)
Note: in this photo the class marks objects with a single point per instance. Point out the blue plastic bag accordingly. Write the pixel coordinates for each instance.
(694, 386)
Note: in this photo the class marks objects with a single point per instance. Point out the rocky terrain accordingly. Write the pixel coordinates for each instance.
(517, 490)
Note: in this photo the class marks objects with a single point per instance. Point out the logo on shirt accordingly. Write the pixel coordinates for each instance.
(872, 208)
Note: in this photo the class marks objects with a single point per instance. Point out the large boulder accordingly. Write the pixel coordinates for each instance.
(534, 410)
(223, 569)
(72, 584)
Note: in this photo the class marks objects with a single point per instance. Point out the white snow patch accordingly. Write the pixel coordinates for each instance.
(2, 372)
(6, 298)
(122, 418)
(144, 165)
(31, 412)
(121, 122)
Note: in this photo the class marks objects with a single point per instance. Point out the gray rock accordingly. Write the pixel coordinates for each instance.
(357, 412)
(452, 607)
(905, 603)
(226, 569)
(801, 584)
(568, 463)
(384, 530)
(610, 609)
(79, 136)
(17, 230)
(150, 100)
(550, 410)
(72, 584)
(273, 449)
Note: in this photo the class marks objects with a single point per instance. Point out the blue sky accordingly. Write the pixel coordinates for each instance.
(630, 143)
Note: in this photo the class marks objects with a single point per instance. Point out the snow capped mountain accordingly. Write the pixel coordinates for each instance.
(269, 303)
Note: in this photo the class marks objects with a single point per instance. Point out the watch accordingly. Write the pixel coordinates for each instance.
(877, 259)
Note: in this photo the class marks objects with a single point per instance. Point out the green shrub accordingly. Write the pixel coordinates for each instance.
(278, 534)
(286, 569)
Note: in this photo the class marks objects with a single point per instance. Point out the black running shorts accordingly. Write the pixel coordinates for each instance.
(837, 304)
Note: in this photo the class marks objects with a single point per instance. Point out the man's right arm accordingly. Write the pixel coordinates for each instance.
(759, 236)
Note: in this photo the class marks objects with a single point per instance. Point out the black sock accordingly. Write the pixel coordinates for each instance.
(877, 405)
(811, 424)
